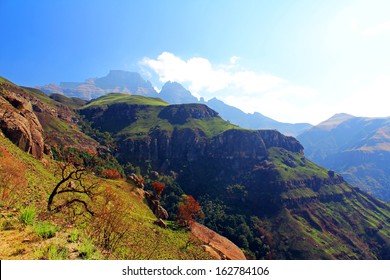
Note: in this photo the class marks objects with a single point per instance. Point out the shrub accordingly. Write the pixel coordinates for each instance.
(12, 179)
(27, 215)
(109, 227)
(189, 211)
(158, 188)
(111, 174)
(45, 230)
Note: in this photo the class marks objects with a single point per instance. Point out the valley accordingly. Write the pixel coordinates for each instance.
(254, 187)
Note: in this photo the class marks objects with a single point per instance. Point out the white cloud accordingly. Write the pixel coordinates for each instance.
(234, 59)
(268, 94)
(201, 75)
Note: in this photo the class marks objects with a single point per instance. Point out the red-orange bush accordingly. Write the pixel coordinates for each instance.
(158, 187)
(189, 210)
(111, 174)
(12, 178)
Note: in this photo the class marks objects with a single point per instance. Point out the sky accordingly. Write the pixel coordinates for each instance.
(293, 61)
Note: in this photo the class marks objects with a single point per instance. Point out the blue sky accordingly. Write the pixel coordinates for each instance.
(294, 61)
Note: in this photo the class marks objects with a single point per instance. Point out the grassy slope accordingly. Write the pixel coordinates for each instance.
(317, 228)
(114, 98)
(56, 129)
(337, 221)
(148, 118)
(71, 241)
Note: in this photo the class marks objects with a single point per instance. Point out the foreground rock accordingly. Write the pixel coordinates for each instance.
(219, 244)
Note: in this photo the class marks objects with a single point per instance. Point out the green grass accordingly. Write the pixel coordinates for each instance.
(87, 250)
(4, 80)
(45, 230)
(293, 166)
(114, 98)
(56, 252)
(28, 215)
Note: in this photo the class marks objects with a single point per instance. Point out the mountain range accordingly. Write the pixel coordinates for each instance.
(255, 187)
(173, 93)
(356, 147)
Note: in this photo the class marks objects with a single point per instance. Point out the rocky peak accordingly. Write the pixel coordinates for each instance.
(123, 79)
(175, 93)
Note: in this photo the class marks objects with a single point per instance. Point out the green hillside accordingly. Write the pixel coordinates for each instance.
(255, 187)
(114, 98)
(65, 236)
(135, 116)
(356, 147)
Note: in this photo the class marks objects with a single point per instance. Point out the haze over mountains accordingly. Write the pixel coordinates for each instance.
(356, 147)
(256, 187)
(173, 93)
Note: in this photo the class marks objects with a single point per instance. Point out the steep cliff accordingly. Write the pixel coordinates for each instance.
(18, 121)
(256, 186)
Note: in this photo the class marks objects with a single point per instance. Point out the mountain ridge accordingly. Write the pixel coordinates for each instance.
(357, 147)
(255, 187)
(172, 92)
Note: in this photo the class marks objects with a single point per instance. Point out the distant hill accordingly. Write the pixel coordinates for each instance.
(115, 81)
(356, 147)
(172, 92)
(255, 120)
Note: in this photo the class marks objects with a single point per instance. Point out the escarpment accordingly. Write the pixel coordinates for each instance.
(18, 121)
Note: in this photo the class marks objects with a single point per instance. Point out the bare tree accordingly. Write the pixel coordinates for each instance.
(73, 187)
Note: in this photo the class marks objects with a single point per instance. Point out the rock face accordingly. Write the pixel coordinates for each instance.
(179, 114)
(18, 121)
(191, 145)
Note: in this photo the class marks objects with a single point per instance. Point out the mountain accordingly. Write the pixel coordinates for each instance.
(356, 147)
(255, 120)
(36, 130)
(255, 186)
(115, 81)
(173, 93)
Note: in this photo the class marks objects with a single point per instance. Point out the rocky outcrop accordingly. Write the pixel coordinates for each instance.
(223, 247)
(273, 138)
(18, 121)
(155, 206)
(179, 114)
